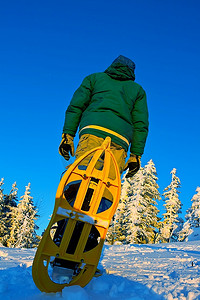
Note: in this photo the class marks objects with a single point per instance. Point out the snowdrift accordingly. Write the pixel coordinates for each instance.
(131, 272)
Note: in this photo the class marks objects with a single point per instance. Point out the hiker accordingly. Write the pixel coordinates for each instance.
(108, 103)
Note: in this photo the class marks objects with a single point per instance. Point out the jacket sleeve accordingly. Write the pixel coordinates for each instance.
(140, 124)
(78, 104)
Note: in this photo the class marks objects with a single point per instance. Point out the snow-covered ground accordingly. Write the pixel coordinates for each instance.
(131, 272)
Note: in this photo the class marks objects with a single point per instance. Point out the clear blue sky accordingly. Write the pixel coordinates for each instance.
(48, 47)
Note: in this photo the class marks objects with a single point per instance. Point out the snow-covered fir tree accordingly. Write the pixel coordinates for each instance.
(185, 232)
(23, 217)
(194, 214)
(135, 225)
(9, 201)
(178, 229)
(171, 224)
(141, 209)
(2, 223)
(192, 217)
(117, 231)
(136, 219)
(1, 191)
(151, 195)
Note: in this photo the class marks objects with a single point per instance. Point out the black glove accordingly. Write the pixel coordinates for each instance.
(133, 164)
(66, 146)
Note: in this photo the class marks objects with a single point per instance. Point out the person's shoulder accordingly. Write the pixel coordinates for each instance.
(139, 87)
(95, 76)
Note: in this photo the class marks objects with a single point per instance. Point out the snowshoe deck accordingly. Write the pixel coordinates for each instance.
(86, 200)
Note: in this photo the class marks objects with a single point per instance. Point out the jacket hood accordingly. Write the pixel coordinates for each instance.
(122, 68)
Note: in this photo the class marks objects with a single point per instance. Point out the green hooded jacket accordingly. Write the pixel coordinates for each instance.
(110, 100)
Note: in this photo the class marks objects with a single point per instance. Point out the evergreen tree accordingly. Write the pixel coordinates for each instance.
(140, 212)
(173, 206)
(135, 225)
(116, 231)
(9, 201)
(192, 217)
(1, 192)
(178, 229)
(136, 219)
(2, 223)
(194, 214)
(23, 231)
(143, 220)
(185, 232)
(151, 195)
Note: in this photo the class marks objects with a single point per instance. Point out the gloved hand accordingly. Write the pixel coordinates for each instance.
(66, 146)
(133, 164)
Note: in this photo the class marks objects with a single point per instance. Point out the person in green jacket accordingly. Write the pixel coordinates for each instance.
(109, 103)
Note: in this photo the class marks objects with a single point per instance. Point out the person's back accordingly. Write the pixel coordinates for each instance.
(111, 104)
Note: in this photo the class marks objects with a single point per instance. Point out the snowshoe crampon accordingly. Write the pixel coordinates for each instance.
(86, 200)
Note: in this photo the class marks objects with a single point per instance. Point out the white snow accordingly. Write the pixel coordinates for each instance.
(131, 272)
